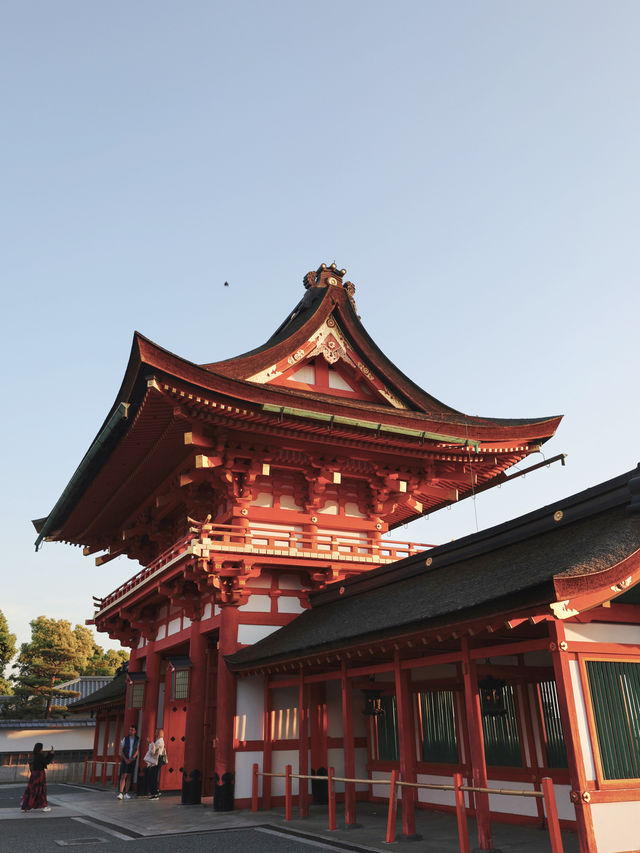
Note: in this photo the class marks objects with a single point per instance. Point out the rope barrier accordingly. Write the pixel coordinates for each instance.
(547, 794)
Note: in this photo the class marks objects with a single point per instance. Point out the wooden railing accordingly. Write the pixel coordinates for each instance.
(458, 789)
(370, 550)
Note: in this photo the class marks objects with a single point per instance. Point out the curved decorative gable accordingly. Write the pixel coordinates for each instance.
(326, 363)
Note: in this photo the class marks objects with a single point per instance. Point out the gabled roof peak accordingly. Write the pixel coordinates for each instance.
(330, 276)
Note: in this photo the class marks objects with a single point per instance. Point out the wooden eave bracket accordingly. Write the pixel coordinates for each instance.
(584, 592)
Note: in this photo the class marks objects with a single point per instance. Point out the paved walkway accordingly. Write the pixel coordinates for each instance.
(143, 818)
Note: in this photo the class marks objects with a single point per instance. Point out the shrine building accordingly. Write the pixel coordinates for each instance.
(276, 620)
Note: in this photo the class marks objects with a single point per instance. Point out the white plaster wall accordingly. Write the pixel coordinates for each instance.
(244, 773)
(279, 760)
(602, 632)
(250, 706)
(381, 790)
(23, 740)
(334, 708)
(581, 713)
(335, 758)
(361, 757)
(257, 604)
(289, 604)
(263, 579)
(616, 826)
(566, 809)
(174, 626)
(512, 805)
(444, 798)
(249, 634)
(284, 713)
(161, 632)
(289, 582)
(206, 613)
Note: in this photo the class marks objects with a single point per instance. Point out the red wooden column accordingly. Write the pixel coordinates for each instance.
(348, 748)
(268, 746)
(223, 797)
(131, 714)
(407, 746)
(303, 746)
(571, 732)
(193, 758)
(476, 746)
(318, 720)
(150, 706)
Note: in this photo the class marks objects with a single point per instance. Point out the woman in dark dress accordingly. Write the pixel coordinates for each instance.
(35, 797)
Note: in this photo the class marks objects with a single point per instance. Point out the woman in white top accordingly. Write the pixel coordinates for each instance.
(156, 749)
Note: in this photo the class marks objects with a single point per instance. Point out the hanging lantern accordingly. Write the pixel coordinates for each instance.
(373, 706)
(492, 699)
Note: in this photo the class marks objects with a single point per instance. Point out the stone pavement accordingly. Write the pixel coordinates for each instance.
(143, 818)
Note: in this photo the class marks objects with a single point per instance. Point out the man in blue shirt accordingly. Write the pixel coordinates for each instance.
(128, 755)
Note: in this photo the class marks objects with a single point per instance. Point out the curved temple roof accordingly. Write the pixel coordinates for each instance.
(319, 370)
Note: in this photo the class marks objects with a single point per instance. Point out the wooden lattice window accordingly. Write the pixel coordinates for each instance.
(556, 748)
(436, 710)
(501, 733)
(386, 724)
(136, 694)
(615, 699)
(180, 684)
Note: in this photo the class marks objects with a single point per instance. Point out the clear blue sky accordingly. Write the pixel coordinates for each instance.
(474, 166)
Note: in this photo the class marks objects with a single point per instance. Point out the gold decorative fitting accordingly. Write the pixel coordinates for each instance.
(314, 519)
(586, 796)
(244, 511)
(332, 280)
(557, 516)
(378, 526)
(574, 796)
(428, 561)
(552, 647)
(341, 590)
(563, 646)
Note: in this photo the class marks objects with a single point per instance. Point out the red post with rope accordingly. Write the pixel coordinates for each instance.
(254, 788)
(461, 814)
(288, 798)
(552, 815)
(393, 808)
(332, 799)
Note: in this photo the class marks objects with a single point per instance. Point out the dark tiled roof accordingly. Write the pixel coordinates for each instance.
(489, 572)
(114, 691)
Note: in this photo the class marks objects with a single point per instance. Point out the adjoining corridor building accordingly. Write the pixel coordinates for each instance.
(275, 620)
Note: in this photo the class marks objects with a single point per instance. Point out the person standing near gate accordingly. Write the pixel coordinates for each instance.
(129, 749)
(155, 758)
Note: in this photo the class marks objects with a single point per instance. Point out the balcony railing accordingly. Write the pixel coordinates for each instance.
(370, 550)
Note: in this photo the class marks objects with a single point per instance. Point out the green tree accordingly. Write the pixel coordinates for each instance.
(55, 654)
(7, 651)
(105, 663)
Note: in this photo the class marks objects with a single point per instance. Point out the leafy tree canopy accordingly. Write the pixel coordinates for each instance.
(7, 651)
(56, 653)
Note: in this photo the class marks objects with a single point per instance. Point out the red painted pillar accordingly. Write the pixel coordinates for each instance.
(407, 747)
(268, 746)
(571, 732)
(223, 797)
(131, 714)
(151, 690)
(193, 749)
(303, 746)
(348, 749)
(476, 745)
